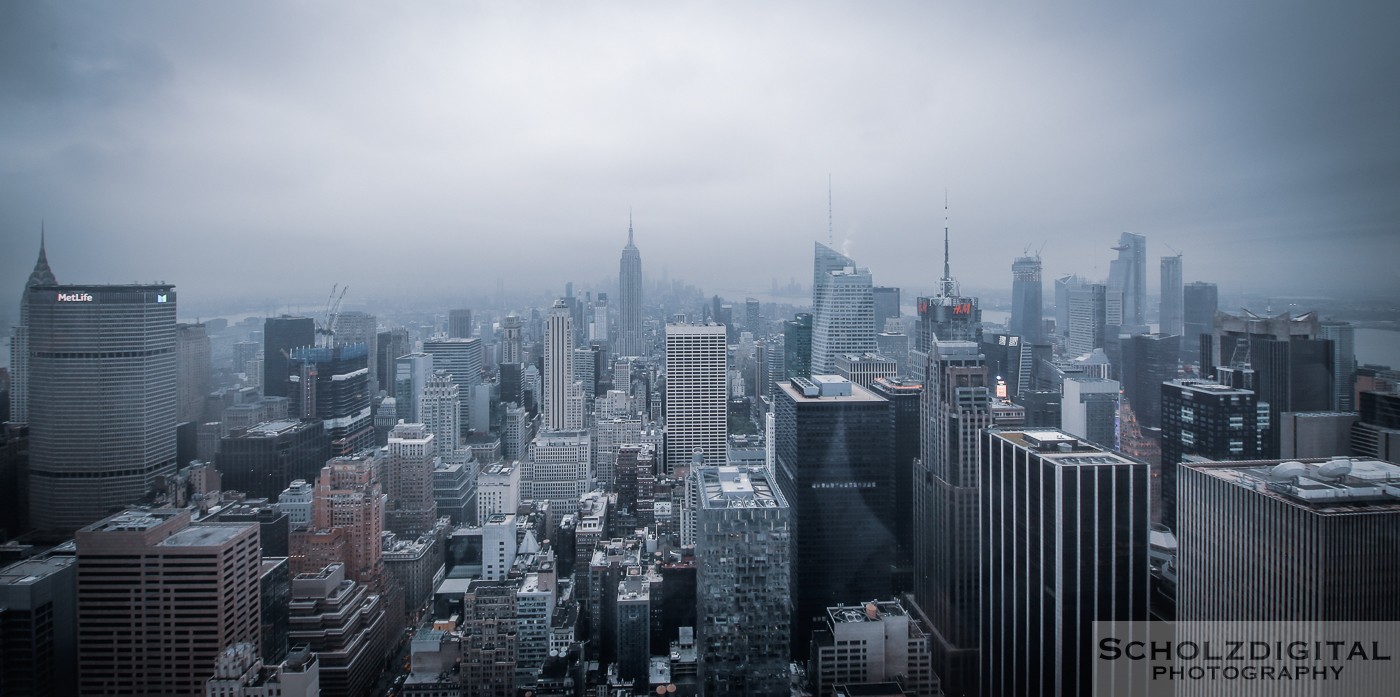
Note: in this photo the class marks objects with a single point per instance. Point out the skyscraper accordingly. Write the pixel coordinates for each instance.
(1026, 301)
(411, 373)
(195, 372)
(1308, 536)
(459, 324)
(797, 346)
(440, 410)
(1210, 421)
(102, 399)
(886, 305)
(1089, 410)
(332, 384)
(42, 275)
(261, 461)
(563, 410)
(744, 545)
(1343, 338)
(512, 339)
(1092, 308)
(408, 468)
(1128, 275)
(843, 310)
(159, 599)
(629, 281)
(281, 336)
(955, 406)
(1172, 317)
(697, 365)
(356, 327)
(1148, 361)
(834, 460)
(1056, 561)
(1199, 303)
(461, 358)
(947, 316)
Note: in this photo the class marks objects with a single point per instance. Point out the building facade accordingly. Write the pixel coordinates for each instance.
(697, 364)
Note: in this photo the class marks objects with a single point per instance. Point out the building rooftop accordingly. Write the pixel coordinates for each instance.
(134, 521)
(1061, 448)
(30, 571)
(206, 535)
(827, 388)
(873, 611)
(1338, 485)
(737, 487)
(268, 429)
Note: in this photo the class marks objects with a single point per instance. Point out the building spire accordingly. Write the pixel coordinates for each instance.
(948, 289)
(830, 228)
(42, 274)
(629, 225)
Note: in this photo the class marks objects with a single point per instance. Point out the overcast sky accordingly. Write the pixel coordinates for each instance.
(260, 150)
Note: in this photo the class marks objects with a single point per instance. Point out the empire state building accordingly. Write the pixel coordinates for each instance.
(629, 281)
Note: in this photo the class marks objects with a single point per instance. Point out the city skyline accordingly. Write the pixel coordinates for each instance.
(133, 147)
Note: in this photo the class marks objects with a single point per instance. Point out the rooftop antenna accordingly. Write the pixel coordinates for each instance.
(830, 227)
(629, 225)
(948, 290)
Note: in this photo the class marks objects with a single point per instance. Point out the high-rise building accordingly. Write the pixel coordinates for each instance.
(42, 275)
(356, 327)
(459, 324)
(264, 459)
(835, 463)
(797, 346)
(1089, 410)
(954, 409)
(886, 305)
(439, 408)
(489, 644)
(864, 369)
(873, 642)
(332, 384)
(512, 339)
(241, 672)
(563, 409)
(1210, 421)
(1172, 318)
(1308, 537)
(194, 379)
(1092, 308)
(585, 370)
(347, 520)
(1377, 434)
(345, 624)
(1148, 361)
(1049, 570)
(697, 363)
(743, 544)
(39, 626)
(1027, 304)
(753, 316)
(629, 281)
(1128, 275)
(387, 347)
(408, 467)
(1343, 338)
(557, 470)
(281, 336)
(843, 309)
(636, 484)
(1063, 286)
(498, 490)
(1199, 304)
(461, 358)
(411, 372)
(140, 629)
(102, 399)
(904, 396)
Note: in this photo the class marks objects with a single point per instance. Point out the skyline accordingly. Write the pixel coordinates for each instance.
(157, 142)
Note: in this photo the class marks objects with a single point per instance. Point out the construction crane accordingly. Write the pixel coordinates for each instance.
(326, 330)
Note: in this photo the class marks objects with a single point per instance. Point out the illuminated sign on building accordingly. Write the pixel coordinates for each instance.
(74, 298)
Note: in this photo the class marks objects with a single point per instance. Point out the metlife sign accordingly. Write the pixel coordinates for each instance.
(75, 297)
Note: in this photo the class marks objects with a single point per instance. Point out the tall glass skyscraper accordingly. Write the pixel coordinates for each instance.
(1026, 298)
(102, 382)
(1128, 273)
(1172, 316)
(843, 309)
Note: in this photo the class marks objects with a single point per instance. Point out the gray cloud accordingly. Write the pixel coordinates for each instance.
(268, 150)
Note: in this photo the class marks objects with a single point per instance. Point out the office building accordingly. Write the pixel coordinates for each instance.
(1128, 275)
(797, 346)
(344, 623)
(843, 309)
(498, 490)
(1200, 301)
(459, 324)
(408, 466)
(585, 371)
(460, 358)
(411, 373)
(1148, 361)
(240, 672)
(490, 638)
(954, 409)
(1343, 337)
(743, 542)
(1314, 434)
(834, 460)
(439, 407)
(629, 316)
(39, 626)
(1013, 361)
(332, 385)
(563, 397)
(1293, 362)
(355, 327)
(865, 368)
(347, 520)
(636, 485)
(697, 362)
(886, 305)
(1027, 304)
(1092, 308)
(388, 346)
(512, 339)
(42, 275)
(194, 371)
(632, 630)
(1212, 422)
(904, 396)
(1063, 286)
(1065, 570)
(874, 642)
(557, 470)
(1089, 410)
(753, 319)
(264, 459)
(139, 632)
(102, 399)
(1312, 538)
(1172, 316)
(281, 336)
(1377, 434)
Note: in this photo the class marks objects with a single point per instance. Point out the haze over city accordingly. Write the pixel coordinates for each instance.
(265, 152)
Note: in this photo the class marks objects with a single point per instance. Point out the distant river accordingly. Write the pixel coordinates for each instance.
(1378, 346)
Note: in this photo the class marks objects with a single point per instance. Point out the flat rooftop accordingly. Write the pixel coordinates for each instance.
(1338, 485)
(206, 535)
(273, 428)
(737, 487)
(29, 571)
